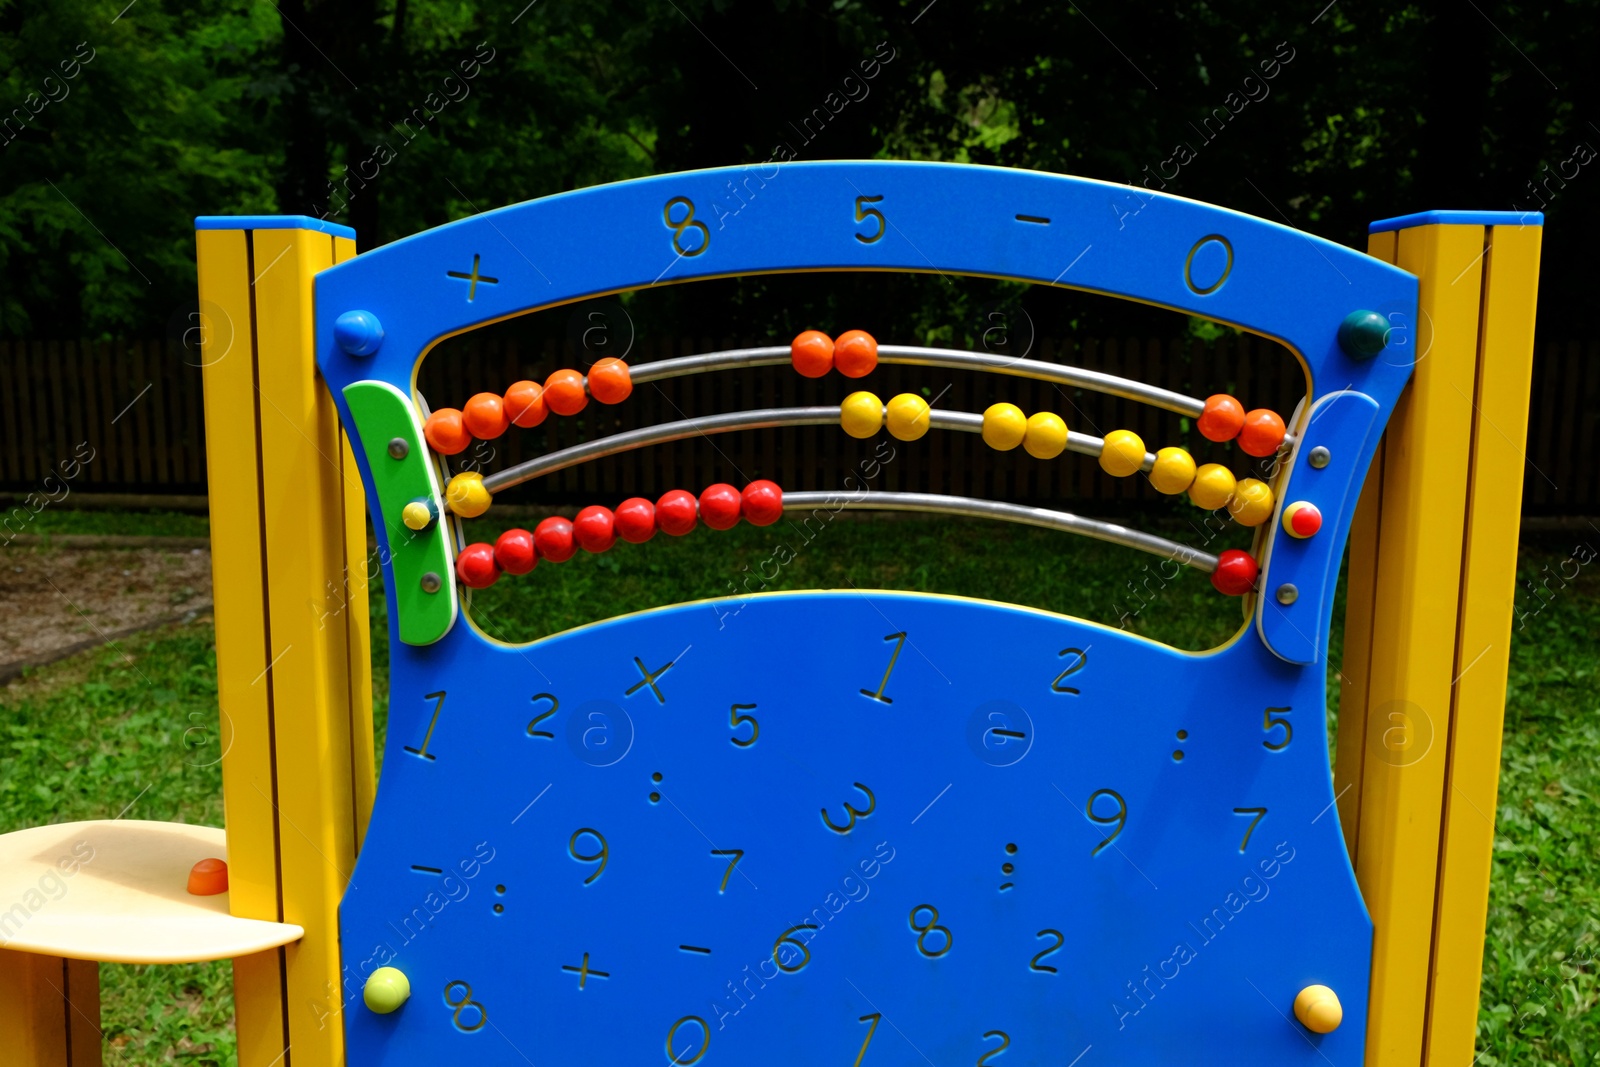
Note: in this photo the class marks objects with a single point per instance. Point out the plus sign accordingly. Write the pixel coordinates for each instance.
(474, 278)
(584, 972)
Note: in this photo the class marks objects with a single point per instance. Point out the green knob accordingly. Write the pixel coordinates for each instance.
(1363, 334)
(386, 989)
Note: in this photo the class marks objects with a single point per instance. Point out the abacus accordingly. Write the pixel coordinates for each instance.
(854, 827)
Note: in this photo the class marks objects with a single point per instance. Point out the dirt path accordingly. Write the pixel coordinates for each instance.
(58, 599)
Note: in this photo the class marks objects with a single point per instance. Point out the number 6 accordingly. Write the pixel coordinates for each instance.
(863, 213)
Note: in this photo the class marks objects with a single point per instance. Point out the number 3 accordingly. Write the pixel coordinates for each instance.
(864, 213)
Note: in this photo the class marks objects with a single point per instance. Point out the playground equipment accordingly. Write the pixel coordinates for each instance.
(844, 828)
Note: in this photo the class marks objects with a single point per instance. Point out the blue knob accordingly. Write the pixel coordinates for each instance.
(1363, 334)
(358, 332)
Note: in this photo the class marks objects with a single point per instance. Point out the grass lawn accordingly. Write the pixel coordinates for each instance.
(134, 725)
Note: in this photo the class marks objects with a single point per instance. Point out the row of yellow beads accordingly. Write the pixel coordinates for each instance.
(1043, 435)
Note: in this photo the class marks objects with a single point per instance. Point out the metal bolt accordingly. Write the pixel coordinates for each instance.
(400, 448)
(431, 583)
(1287, 594)
(1319, 457)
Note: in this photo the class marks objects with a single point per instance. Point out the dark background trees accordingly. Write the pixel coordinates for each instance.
(396, 115)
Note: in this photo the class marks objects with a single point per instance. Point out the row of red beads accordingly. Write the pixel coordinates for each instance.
(636, 520)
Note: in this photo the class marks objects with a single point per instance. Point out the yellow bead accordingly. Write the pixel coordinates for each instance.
(1173, 472)
(1252, 503)
(466, 495)
(1123, 453)
(1213, 487)
(387, 988)
(861, 414)
(1318, 1009)
(908, 417)
(1045, 436)
(417, 515)
(1004, 427)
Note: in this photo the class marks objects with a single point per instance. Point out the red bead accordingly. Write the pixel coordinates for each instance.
(1236, 572)
(719, 506)
(595, 528)
(513, 550)
(476, 566)
(636, 520)
(676, 512)
(763, 503)
(552, 538)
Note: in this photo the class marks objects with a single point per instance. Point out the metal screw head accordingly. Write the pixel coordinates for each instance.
(431, 583)
(400, 448)
(1287, 594)
(1319, 457)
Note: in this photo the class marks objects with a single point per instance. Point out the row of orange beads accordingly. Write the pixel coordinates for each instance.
(526, 404)
(813, 354)
(1259, 431)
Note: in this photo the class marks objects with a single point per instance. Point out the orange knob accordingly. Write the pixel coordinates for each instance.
(208, 878)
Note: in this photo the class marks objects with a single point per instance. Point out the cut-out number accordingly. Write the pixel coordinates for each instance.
(931, 927)
(735, 720)
(863, 213)
(600, 857)
(438, 706)
(875, 1016)
(1268, 721)
(1082, 655)
(705, 1040)
(899, 639)
(737, 854)
(689, 222)
(1259, 813)
(1035, 965)
(461, 1005)
(1005, 1043)
(537, 719)
(850, 810)
(788, 937)
(1120, 818)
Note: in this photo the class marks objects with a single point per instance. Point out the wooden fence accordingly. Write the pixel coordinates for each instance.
(126, 417)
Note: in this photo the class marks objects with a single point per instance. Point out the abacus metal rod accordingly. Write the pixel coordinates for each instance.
(764, 419)
(936, 503)
(949, 359)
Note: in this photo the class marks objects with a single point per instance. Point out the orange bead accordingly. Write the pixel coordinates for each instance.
(855, 354)
(208, 877)
(563, 392)
(1262, 434)
(524, 404)
(485, 416)
(1222, 418)
(811, 353)
(609, 381)
(446, 433)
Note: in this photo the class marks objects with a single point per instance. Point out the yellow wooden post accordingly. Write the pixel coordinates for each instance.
(49, 1010)
(1433, 555)
(289, 570)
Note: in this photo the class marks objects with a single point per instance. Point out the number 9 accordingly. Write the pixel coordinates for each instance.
(572, 850)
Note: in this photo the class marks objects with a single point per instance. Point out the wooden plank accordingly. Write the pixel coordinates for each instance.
(10, 416)
(105, 445)
(33, 1009)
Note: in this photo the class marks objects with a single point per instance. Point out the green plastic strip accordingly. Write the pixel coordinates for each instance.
(382, 413)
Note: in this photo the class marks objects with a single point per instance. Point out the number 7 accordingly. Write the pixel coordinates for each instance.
(737, 854)
(1259, 813)
(875, 1016)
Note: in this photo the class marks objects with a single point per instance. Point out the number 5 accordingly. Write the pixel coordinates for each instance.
(1268, 721)
(864, 213)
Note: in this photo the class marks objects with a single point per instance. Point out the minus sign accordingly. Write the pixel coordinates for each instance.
(695, 948)
(1007, 733)
(1040, 219)
(426, 870)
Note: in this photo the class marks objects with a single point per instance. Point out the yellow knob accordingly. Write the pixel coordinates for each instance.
(387, 988)
(466, 495)
(1045, 436)
(1003, 427)
(417, 515)
(908, 417)
(861, 414)
(1318, 1009)
(1122, 454)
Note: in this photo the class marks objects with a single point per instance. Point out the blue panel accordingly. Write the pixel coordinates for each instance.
(272, 222)
(1168, 939)
(1458, 218)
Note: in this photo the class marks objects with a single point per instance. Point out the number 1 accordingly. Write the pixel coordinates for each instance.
(875, 1016)
(900, 640)
(423, 751)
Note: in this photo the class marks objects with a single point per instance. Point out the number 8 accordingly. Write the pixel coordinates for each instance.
(688, 221)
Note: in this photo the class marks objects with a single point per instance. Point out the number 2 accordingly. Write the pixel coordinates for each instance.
(1077, 665)
(1005, 1043)
(1035, 965)
(537, 719)
(1268, 721)
(864, 213)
